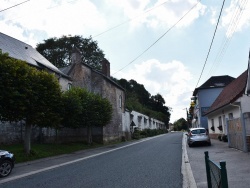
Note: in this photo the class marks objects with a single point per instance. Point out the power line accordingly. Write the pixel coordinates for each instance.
(14, 5)
(211, 43)
(158, 38)
(236, 16)
(128, 20)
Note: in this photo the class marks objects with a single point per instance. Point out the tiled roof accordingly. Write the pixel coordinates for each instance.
(20, 50)
(215, 82)
(230, 93)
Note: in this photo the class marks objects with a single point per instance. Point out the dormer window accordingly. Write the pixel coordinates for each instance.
(219, 84)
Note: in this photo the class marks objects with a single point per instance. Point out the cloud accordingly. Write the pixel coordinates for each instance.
(171, 80)
(162, 13)
(57, 19)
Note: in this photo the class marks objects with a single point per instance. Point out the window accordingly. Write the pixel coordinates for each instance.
(212, 122)
(230, 116)
(198, 131)
(220, 121)
(120, 101)
(69, 86)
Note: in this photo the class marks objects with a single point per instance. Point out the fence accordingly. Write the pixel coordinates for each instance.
(236, 134)
(216, 173)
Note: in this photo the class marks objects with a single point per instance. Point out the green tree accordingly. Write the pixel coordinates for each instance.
(58, 50)
(139, 99)
(180, 124)
(72, 107)
(85, 109)
(28, 94)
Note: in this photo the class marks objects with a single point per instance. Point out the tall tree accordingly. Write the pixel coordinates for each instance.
(58, 50)
(139, 99)
(157, 102)
(180, 124)
(28, 94)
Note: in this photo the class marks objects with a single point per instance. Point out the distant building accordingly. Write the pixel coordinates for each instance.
(204, 96)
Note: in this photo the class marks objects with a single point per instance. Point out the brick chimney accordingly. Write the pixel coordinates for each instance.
(105, 67)
(76, 56)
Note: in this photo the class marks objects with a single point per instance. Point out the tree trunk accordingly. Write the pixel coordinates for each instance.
(89, 135)
(27, 137)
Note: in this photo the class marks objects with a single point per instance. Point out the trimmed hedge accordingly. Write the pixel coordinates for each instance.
(147, 133)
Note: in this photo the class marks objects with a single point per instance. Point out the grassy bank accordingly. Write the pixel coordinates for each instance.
(39, 151)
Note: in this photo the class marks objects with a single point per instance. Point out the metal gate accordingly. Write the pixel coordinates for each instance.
(236, 134)
(216, 173)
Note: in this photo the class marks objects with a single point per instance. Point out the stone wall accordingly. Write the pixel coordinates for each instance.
(12, 133)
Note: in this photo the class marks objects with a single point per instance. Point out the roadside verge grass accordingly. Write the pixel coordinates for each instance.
(39, 151)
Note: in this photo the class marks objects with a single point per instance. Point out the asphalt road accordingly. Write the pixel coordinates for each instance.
(152, 163)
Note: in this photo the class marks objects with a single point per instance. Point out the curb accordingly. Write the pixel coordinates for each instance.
(188, 177)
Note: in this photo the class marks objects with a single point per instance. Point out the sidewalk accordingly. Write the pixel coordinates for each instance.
(237, 163)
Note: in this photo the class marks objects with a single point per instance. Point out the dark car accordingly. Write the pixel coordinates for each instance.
(198, 136)
(7, 161)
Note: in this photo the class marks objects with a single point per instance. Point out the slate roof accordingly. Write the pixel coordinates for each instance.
(230, 93)
(215, 82)
(20, 50)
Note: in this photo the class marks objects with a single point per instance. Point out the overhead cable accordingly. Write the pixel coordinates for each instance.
(14, 5)
(233, 24)
(129, 20)
(211, 43)
(158, 38)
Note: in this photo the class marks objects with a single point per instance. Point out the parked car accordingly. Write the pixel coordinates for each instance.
(198, 136)
(7, 162)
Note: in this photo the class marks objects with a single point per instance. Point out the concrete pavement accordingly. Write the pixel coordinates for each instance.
(237, 163)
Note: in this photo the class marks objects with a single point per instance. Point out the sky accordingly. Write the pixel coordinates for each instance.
(169, 46)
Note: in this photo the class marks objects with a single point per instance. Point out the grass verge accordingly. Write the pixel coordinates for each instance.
(39, 151)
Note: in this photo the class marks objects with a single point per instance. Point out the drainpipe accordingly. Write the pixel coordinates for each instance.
(244, 127)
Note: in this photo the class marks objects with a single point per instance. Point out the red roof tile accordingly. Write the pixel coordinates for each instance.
(230, 93)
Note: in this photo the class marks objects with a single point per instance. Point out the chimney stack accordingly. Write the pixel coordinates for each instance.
(76, 56)
(105, 67)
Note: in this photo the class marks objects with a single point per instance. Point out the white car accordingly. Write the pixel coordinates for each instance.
(198, 136)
